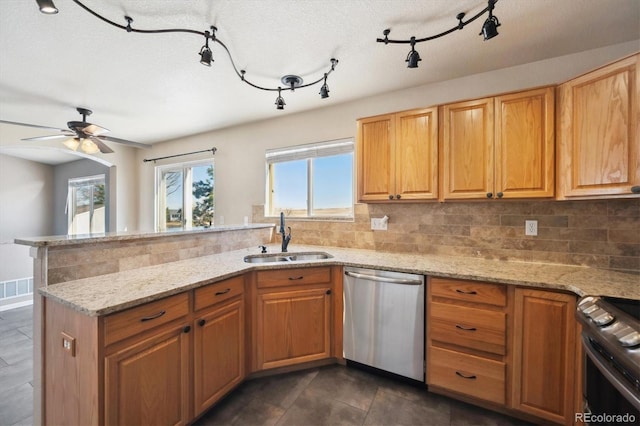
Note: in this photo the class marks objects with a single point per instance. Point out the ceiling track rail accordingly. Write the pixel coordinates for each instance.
(212, 151)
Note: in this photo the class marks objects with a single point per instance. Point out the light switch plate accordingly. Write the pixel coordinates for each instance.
(69, 343)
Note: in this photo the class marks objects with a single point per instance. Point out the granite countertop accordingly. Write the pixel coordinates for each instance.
(106, 294)
(65, 240)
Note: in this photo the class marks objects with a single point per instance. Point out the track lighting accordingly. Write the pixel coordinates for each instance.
(413, 57)
(490, 26)
(47, 6)
(280, 100)
(206, 57)
(489, 31)
(324, 90)
(290, 81)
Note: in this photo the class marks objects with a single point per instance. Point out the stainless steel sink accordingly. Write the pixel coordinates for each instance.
(283, 257)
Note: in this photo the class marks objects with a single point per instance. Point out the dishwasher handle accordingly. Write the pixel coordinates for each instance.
(404, 281)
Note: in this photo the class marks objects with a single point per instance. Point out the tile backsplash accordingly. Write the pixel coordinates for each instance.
(600, 234)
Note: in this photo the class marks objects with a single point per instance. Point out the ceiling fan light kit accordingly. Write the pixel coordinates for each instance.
(206, 55)
(489, 31)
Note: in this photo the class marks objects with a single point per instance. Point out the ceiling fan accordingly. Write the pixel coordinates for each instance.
(81, 134)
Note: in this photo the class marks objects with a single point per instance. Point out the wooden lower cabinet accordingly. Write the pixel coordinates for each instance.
(147, 381)
(294, 326)
(544, 354)
(219, 355)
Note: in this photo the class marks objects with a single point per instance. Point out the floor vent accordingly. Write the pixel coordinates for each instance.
(15, 288)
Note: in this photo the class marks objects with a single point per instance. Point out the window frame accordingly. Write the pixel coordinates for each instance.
(72, 185)
(186, 167)
(309, 152)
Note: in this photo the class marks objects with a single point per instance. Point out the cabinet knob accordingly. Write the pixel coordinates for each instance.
(635, 189)
(328, 291)
(398, 196)
(390, 197)
(489, 194)
(499, 194)
(202, 322)
(186, 329)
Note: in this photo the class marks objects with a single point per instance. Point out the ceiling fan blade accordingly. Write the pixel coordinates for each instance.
(101, 145)
(33, 125)
(50, 137)
(125, 142)
(94, 130)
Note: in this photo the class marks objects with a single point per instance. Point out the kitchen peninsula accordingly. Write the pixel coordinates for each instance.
(212, 261)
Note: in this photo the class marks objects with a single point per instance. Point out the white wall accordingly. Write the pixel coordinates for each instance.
(239, 162)
(26, 197)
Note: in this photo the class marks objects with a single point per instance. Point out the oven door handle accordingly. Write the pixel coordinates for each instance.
(611, 375)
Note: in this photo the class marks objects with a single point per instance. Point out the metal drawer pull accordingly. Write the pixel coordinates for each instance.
(462, 327)
(152, 317)
(465, 377)
(296, 278)
(218, 293)
(466, 292)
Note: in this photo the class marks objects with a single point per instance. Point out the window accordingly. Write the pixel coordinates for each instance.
(184, 196)
(314, 180)
(86, 205)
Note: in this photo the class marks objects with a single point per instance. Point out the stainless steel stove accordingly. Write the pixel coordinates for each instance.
(611, 341)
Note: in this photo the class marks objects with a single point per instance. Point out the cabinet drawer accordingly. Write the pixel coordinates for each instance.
(142, 318)
(218, 292)
(295, 276)
(469, 291)
(469, 327)
(467, 374)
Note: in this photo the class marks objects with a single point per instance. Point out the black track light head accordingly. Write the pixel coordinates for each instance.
(324, 90)
(280, 100)
(490, 26)
(413, 57)
(47, 7)
(206, 57)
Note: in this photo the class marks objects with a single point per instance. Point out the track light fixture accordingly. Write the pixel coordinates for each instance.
(413, 57)
(489, 30)
(206, 57)
(290, 81)
(47, 7)
(280, 100)
(324, 90)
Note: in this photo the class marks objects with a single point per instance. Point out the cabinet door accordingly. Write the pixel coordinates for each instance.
(598, 132)
(525, 144)
(376, 158)
(416, 146)
(467, 150)
(147, 382)
(293, 327)
(218, 353)
(544, 354)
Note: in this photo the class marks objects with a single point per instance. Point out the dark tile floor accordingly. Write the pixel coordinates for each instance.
(337, 395)
(16, 366)
(332, 395)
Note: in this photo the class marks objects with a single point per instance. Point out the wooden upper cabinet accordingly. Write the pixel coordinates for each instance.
(467, 149)
(398, 156)
(500, 147)
(599, 133)
(417, 154)
(376, 157)
(525, 144)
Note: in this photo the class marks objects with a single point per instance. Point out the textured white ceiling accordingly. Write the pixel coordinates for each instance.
(151, 88)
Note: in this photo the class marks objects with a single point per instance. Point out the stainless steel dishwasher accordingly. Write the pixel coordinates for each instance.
(384, 320)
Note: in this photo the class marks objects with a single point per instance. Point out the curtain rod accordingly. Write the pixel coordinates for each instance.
(212, 150)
